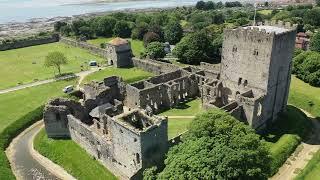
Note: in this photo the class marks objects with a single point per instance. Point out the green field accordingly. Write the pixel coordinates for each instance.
(312, 170)
(24, 65)
(177, 126)
(136, 45)
(71, 157)
(15, 104)
(265, 12)
(302, 95)
(129, 75)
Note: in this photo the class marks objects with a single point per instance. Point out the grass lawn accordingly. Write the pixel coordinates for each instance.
(265, 12)
(190, 108)
(71, 157)
(136, 45)
(302, 95)
(26, 64)
(312, 170)
(129, 75)
(15, 104)
(177, 126)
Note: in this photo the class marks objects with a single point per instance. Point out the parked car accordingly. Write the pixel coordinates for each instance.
(68, 89)
(93, 63)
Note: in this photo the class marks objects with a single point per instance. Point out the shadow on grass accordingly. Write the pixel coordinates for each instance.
(294, 121)
(181, 105)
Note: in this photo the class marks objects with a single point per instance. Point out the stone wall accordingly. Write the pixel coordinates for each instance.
(91, 48)
(29, 42)
(153, 66)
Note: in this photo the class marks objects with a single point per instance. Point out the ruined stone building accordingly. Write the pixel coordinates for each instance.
(115, 121)
(119, 51)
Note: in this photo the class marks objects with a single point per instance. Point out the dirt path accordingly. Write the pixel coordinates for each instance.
(299, 159)
(81, 76)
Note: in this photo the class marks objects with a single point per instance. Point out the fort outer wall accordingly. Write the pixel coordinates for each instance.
(29, 42)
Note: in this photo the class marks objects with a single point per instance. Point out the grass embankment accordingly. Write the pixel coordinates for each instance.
(312, 170)
(71, 157)
(136, 45)
(305, 96)
(129, 75)
(286, 134)
(24, 65)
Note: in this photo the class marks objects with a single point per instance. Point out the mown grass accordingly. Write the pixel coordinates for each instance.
(24, 65)
(177, 126)
(265, 12)
(15, 104)
(71, 157)
(190, 108)
(136, 45)
(312, 170)
(129, 75)
(305, 96)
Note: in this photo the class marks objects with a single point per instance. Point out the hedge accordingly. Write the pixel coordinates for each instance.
(12, 131)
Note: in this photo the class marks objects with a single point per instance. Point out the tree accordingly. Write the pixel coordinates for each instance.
(217, 146)
(139, 31)
(318, 2)
(57, 26)
(55, 59)
(173, 32)
(306, 66)
(210, 5)
(104, 26)
(194, 48)
(150, 37)
(201, 5)
(312, 17)
(155, 50)
(315, 42)
(266, 4)
(122, 29)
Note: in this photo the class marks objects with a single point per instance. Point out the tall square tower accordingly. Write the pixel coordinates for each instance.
(258, 58)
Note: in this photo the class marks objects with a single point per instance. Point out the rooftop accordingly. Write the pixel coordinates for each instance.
(118, 41)
(269, 29)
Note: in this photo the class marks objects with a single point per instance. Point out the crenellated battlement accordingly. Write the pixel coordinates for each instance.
(267, 30)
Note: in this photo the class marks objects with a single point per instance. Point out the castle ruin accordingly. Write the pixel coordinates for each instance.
(115, 121)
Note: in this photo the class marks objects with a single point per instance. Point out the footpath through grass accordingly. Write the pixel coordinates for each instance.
(136, 45)
(71, 157)
(15, 104)
(24, 65)
(129, 75)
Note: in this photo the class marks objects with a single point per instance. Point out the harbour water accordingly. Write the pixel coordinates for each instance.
(25, 10)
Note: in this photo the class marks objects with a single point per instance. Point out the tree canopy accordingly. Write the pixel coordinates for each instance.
(155, 50)
(55, 59)
(122, 29)
(173, 32)
(315, 42)
(217, 146)
(194, 48)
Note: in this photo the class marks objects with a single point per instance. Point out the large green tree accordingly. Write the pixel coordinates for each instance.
(155, 50)
(122, 29)
(217, 146)
(194, 48)
(104, 26)
(55, 59)
(315, 42)
(173, 32)
(306, 66)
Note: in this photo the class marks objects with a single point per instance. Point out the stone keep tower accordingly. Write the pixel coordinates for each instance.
(258, 58)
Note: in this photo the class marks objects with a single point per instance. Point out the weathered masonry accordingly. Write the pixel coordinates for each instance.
(115, 121)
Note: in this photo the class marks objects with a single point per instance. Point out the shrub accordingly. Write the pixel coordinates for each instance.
(173, 32)
(12, 131)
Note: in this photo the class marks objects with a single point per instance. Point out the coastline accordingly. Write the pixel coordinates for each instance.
(37, 25)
